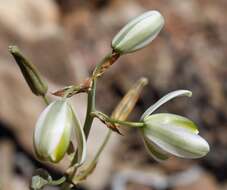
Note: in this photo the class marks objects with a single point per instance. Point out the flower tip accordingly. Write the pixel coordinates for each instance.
(144, 81)
(13, 49)
(188, 93)
(206, 149)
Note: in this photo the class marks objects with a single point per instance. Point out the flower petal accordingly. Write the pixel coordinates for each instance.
(179, 141)
(81, 140)
(53, 131)
(156, 152)
(138, 33)
(165, 99)
(168, 119)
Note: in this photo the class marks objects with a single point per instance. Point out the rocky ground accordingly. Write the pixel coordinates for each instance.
(66, 38)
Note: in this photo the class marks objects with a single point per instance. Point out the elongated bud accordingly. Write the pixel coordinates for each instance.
(53, 132)
(126, 105)
(169, 134)
(138, 33)
(30, 73)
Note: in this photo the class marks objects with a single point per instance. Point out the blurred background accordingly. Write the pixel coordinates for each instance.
(66, 38)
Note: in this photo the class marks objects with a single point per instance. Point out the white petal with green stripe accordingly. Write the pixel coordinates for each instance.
(53, 132)
(138, 33)
(156, 152)
(165, 99)
(81, 140)
(176, 135)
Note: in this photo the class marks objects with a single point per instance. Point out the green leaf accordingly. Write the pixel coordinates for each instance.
(165, 99)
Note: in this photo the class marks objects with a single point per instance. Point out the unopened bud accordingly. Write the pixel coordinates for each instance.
(30, 73)
(53, 132)
(138, 33)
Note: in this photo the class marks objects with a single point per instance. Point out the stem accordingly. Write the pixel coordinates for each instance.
(58, 181)
(90, 108)
(101, 148)
(121, 112)
(100, 68)
(45, 99)
(89, 169)
(106, 62)
(106, 119)
(127, 123)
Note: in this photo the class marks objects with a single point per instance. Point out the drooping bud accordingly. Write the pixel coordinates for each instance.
(169, 134)
(30, 73)
(138, 33)
(53, 132)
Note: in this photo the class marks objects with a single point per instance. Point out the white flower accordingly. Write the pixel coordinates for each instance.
(169, 134)
(53, 131)
(138, 33)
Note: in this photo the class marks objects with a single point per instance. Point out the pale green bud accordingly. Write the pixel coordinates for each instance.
(138, 33)
(37, 85)
(53, 132)
(169, 134)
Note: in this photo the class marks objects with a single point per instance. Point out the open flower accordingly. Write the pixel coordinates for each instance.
(167, 134)
(53, 131)
(138, 33)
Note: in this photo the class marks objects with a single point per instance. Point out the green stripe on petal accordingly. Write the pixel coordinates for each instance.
(173, 120)
(53, 133)
(176, 140)
(138, 33)
(156, 152)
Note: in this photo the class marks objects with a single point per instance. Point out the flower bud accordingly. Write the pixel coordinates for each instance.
(138, 33)
(53, 131)
(30, 73)
(169, 134)
(127, 103)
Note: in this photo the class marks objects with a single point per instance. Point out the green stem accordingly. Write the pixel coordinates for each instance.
(58, 181)
(93, 163)
(45, 99)
(101, 148)
(90, 108)
(127, 123)
(89, 169)
(105, 118)
(100, 68)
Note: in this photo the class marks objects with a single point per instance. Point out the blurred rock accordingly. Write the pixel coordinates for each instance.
(206, 181)
(6, 165)
(34, 26)
(31, 19)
